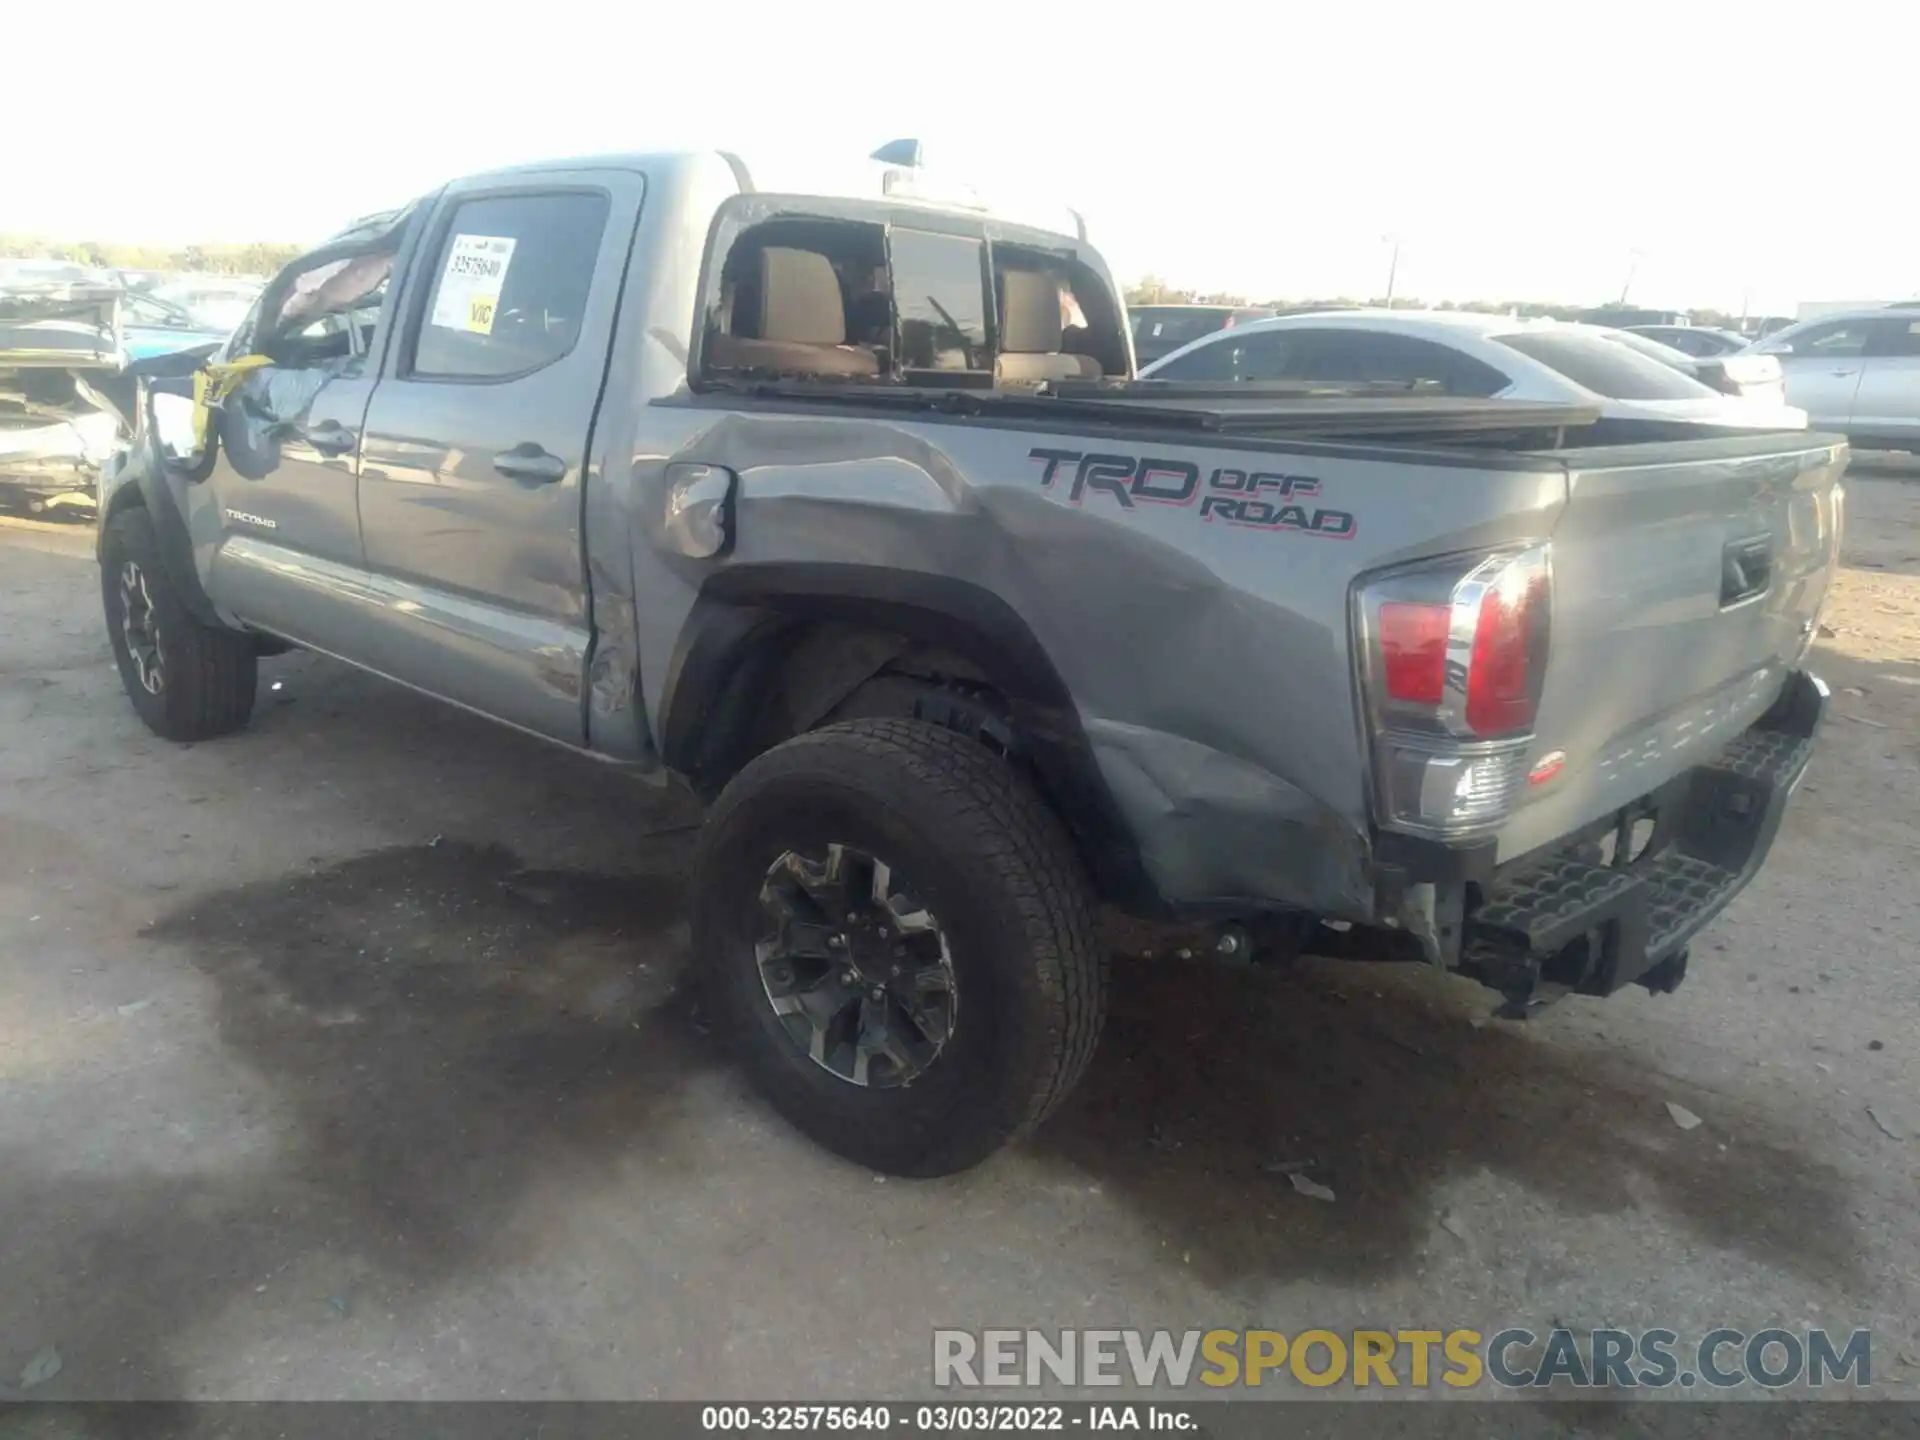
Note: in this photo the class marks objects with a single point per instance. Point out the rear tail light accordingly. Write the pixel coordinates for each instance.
(1452, 656)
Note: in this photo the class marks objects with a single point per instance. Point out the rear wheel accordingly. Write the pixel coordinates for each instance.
(187, 681)
(898, 935)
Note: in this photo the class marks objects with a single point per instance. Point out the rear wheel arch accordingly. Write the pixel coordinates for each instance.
(774, 651)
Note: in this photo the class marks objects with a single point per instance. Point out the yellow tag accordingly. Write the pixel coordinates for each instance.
(480, 313)
(212, 385)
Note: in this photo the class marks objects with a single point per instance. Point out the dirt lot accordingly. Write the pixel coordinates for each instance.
(346, 1058)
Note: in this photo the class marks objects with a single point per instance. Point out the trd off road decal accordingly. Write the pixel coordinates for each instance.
(1257, 499)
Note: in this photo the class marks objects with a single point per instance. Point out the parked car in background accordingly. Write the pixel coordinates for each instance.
(60, 352)
(1454, 352)
(151, 325)
(215, 302)
(1159, 330)
(1749, 377)
(1700, 341)
(1856, 373)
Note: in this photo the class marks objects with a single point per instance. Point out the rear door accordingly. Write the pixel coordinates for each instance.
(472, 468)
(1886, 407)
(1823, 365)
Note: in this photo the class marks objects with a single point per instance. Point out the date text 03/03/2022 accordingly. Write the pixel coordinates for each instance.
(947, 1418)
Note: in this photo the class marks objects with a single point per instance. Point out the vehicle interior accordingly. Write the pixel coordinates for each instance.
(884, 302)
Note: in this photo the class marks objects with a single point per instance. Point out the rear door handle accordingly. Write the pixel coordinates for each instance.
(330, 437)
(529, 464)
(1841, 374)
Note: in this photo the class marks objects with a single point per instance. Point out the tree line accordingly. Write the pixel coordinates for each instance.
(1152, 290)
(258, 257)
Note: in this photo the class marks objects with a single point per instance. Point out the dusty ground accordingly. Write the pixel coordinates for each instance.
(345, 1059)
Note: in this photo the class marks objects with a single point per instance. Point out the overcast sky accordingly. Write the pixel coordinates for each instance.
(1520, 151)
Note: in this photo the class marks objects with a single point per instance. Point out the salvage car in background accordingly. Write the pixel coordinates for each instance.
(151, 325)
(1856, 373)
(60, 356)
(1465, 354)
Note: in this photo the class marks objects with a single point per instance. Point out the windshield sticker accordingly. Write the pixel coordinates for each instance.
(1258, 500)
(470, 284)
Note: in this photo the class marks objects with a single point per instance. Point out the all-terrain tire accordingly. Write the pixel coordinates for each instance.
(187, 681)
(996, 868)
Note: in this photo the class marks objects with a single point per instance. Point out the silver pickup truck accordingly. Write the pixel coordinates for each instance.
(845, 511)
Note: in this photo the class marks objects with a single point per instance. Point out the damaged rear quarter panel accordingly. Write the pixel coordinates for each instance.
(1207, 661)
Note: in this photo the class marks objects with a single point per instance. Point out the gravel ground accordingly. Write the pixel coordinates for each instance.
(347, 1058)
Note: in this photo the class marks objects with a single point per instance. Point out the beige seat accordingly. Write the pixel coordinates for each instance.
(801, 324)
(1030, 332)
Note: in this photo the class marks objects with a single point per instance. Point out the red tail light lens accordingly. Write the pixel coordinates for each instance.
(1453, 653)
(1413, 650)
(1503, 683)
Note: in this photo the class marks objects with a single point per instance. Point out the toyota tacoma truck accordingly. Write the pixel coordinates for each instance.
(843, 508)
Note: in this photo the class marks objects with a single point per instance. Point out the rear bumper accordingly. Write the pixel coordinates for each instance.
(1581, 919)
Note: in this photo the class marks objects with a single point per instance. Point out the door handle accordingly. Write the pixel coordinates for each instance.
(531, 465)
(1841, 374)
(330, 437)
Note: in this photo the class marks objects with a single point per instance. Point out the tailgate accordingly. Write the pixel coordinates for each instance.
(1688, 580)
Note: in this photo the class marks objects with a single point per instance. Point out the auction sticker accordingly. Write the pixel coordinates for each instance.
(470, 284)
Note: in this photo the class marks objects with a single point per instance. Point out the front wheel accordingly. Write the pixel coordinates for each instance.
(187, 681)
(900, 938)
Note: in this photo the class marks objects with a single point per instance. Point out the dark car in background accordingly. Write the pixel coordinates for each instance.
(1750, 377)
(1703, 342)
(1159, 330)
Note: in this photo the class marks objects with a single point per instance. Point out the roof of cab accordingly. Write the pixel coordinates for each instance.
(837, 177)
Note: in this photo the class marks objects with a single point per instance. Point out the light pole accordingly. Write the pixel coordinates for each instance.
(1393, 265)
(1634, 257)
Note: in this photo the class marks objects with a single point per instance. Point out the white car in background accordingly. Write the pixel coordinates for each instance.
(1455, 352)
(1857, 372)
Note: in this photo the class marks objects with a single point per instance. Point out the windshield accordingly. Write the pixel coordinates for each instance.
(1613, 370)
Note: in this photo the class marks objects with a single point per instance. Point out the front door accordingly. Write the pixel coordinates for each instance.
(279, 501)
(1822, 365)
(1886, 407)
(476, 441)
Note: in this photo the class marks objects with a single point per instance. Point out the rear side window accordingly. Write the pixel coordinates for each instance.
(940, 291)
(510, 285)
(1343, 356)
(1168, 327)
(1380, 358)
(1218, 361)
(1606, 367)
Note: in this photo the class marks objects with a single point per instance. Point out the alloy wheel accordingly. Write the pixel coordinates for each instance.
(855, 966)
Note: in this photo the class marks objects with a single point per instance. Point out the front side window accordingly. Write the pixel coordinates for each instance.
(1898, 338)
(1838, 339)
(939, 289)
(510, 284)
